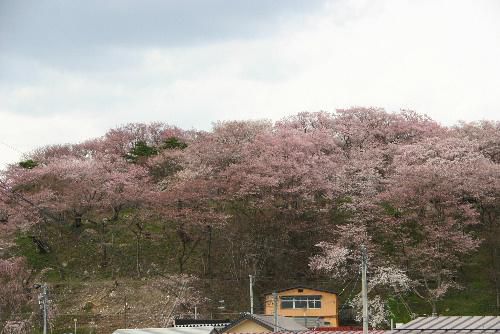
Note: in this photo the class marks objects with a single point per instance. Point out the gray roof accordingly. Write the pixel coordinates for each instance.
(284, 323)
(301, 287)
(169, 330)
(451, 325)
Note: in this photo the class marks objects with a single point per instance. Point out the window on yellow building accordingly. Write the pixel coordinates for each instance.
(301, 302)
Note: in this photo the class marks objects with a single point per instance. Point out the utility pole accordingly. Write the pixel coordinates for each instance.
(195, 312)
(364, 288)
(251, 293)
(125, 311)
(275, 306)
(45, 302)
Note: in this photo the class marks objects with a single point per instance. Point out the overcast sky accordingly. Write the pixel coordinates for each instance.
(69, 70)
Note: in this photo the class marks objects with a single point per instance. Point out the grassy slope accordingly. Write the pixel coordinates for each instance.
(477, 297)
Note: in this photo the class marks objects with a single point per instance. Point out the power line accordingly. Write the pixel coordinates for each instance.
(43, 211)
(125, 279)
(10, 146)
(350, 294)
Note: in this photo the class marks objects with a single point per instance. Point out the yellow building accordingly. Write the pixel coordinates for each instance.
(308, 306)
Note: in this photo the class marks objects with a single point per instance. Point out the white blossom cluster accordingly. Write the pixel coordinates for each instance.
(392, 277)
(376, 309)
(332, 259)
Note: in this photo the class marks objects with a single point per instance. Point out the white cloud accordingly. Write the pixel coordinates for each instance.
(22, 133)
(437, 57)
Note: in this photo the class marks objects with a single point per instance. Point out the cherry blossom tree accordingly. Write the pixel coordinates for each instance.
(428, 226)
(420, 196)
(189, 206)
(403, 178)
(292, 167)
(193, 188)
(342, 261)
(77, 189)
(14, 292)
(480, 185)
(368, 138)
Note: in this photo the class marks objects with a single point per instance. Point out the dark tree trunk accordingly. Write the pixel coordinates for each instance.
(209, 252)
(104, 248)
(77, 223)
(138, 254)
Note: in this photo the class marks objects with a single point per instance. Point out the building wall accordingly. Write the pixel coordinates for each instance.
(248, 326)
(328, 310)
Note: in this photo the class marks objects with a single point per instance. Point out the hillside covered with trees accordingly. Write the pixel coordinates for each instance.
(148, 221)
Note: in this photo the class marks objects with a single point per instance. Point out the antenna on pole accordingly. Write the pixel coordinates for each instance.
(251, 293)
(364, 288)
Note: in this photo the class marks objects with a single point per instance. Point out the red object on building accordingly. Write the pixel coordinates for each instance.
(338, 329)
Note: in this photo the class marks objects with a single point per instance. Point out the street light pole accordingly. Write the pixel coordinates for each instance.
(275, 312)
(44, 301)
(251, 293)
(364, 288)
(125, 311)
(75, 325)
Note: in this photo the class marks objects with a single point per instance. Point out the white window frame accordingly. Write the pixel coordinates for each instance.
(312, 302)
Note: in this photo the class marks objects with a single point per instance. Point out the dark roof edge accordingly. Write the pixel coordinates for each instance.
(186, 321)
(300, 287)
